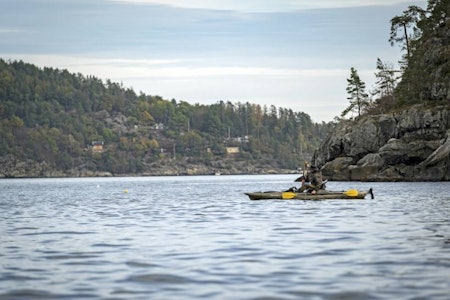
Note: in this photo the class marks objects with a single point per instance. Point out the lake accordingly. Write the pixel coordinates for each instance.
(200, 237)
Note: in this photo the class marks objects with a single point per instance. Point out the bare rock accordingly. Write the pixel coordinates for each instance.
(410, 145)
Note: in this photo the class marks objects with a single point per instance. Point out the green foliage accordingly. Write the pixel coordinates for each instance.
(406, 23)
(386, 79)
(425, 68)
(386, 82)
(426, 74)
(358, 97)
(53, 116)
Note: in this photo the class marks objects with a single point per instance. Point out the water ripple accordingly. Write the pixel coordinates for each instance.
(87, 239)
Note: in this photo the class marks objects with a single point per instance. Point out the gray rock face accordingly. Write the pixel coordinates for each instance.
(412, 145)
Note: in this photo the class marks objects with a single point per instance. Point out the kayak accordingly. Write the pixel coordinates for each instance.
(320, 195)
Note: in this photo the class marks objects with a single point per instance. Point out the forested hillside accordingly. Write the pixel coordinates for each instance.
(72, 124)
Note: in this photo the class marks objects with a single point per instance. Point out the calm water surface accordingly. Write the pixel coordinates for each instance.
(201, 237)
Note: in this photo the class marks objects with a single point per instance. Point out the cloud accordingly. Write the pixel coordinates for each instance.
(266, 5)
(197, 72)
(167, 68)
(10, 30)
(65, 61)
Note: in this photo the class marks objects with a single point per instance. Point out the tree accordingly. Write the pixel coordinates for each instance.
(147, 118)
(16, 122)
(357, 90)
(404, 22)
(425, 76)
(385, 79)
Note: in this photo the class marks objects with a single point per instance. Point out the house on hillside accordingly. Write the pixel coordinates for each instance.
(232, 150)
(158, 126)
(97, 146)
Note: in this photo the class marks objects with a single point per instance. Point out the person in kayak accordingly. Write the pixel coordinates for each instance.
(311, 180)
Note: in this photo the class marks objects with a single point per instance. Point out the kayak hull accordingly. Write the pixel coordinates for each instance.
(321, 195)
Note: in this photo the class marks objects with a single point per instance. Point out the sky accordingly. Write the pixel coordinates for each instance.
(293, 54)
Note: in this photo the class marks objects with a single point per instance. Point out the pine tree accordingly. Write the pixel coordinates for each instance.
(404, 22)
(386, 79)
(358, 97)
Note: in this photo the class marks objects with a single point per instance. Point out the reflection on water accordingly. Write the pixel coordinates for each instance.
(201, 237)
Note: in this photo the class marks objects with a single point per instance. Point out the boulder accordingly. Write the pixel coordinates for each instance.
(337, 169)
(437, 165)
(366, 167)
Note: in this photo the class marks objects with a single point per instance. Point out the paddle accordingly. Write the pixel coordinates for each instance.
(288, 195)
(351, 193)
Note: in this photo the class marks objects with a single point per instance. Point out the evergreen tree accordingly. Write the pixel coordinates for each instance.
(358, 97)
(404, 22)
(385, 79)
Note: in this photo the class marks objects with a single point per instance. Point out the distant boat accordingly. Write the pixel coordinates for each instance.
(217, 173)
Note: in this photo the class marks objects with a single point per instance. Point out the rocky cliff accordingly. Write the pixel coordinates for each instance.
(411, 145)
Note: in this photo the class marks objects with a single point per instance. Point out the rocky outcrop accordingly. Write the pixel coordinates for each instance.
(411, 145)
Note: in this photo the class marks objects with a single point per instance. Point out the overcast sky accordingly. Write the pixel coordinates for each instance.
(288, 53)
